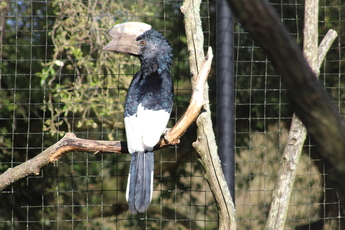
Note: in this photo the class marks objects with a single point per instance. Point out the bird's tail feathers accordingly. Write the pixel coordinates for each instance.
(140, 181)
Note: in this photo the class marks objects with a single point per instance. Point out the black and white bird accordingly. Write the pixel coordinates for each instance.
(148, 104)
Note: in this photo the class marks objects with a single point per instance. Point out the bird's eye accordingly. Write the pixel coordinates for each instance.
(142, 42)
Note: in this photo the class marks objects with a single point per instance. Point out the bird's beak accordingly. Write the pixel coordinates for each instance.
(124, 37)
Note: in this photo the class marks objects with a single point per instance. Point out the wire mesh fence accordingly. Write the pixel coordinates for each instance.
(56, 79)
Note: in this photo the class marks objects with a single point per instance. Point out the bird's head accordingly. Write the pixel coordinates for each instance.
(138, 39)
(125, 37)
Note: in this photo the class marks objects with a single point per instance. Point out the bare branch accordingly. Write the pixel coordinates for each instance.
(196, 102)
(67, 144)
(292, 152)
(298, 133)
(325, 45)
(206, 145)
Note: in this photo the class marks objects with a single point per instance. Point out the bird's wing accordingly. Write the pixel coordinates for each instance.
(134, 133)
(153, 124)
(132, 121)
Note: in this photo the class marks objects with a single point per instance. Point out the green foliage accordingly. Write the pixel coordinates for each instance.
(82, 80)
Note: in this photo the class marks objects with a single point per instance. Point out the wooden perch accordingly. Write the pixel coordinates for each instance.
(71, 143)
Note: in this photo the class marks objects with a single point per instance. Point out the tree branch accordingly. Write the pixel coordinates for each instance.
(291, 155)
(325, 45)
(298, 133)
(71, 143)
(205, 144)
(195, 105)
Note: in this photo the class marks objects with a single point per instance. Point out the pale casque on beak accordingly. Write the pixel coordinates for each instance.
(124, 37)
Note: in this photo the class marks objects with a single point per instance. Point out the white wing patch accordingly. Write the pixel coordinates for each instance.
(144, 129)
(154, 124)
(134, 133)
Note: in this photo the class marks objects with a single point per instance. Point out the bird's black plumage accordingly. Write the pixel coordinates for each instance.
(148, 106)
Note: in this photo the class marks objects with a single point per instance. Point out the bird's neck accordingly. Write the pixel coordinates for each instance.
(159, 62)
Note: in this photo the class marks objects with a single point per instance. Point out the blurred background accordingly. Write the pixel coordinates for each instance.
(54, 78)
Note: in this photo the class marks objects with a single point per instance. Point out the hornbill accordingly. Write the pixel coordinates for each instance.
(148, 105)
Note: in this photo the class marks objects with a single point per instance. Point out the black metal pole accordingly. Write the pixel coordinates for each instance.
(225, 92)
